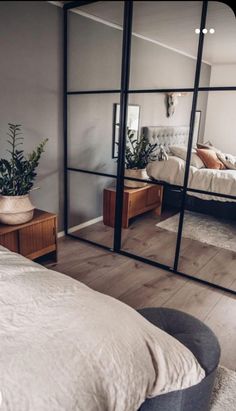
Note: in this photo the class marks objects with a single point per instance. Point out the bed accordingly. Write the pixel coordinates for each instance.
(65, 347)
(172, 172)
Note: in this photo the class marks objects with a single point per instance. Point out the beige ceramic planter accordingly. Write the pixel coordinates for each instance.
(135, 173)
(15, 209)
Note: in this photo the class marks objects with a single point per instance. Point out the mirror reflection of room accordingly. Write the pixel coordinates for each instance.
(209, 229)
(209, 220)
(159, 122)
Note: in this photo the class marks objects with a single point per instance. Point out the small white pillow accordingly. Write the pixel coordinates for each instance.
(228, 160)
(181, 152)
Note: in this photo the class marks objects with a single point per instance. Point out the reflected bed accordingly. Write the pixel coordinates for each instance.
(172, 171)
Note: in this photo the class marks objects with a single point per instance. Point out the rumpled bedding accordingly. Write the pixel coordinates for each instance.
(65, 347)
(172, 171)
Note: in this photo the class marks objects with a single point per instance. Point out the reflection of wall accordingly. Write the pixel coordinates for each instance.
(220, 123)
(85, 198)
(153, 110)
(30, 84)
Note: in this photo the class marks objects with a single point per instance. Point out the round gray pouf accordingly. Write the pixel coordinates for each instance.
(202, 342)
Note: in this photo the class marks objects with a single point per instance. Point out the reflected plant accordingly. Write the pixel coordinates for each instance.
(138, 152)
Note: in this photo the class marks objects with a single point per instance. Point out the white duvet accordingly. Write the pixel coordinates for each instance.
(65, 347)
(172, 171)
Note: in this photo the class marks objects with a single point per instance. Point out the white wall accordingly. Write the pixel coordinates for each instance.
(220, 126)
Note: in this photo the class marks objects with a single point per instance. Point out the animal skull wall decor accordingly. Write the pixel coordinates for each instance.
(172, 101)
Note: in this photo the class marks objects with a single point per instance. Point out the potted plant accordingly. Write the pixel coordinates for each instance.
(138, 153)
(17, 175)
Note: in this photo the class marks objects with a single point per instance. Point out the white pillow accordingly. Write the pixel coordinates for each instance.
(181, 152)
(228, 160)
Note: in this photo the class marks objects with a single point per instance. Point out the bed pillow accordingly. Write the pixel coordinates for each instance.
(210, 159)
(181, 152)
(228, 160)
(208, 146)
(196, 161)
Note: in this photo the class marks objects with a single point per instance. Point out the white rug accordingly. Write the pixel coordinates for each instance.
(224, 393)
(207, 229)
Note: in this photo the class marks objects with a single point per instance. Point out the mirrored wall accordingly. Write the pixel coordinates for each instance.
(150, 141)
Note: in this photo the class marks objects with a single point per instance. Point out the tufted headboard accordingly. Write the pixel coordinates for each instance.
(167, 135)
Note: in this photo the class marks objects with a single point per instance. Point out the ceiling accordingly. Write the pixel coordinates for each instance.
(173, 24)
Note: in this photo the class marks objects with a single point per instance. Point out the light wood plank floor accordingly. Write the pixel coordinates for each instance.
(138, 285)
(145, 239)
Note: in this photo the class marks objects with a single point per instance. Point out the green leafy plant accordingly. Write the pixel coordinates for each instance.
(138, 153)
(17, 174)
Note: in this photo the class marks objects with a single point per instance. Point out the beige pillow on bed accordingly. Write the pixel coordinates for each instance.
(181, 152)
(210, 159)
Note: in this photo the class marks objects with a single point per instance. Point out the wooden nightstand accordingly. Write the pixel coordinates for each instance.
(136, 201)
(34, 239)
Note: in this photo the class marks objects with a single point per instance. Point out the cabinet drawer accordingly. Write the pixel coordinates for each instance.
(38, 239)
(10, 241)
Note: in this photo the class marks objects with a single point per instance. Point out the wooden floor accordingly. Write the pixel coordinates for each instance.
(139, 285)
(145, 239)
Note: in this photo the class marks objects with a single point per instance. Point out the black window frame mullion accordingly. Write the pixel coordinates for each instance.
(65, 116)
(190, 139)
(125, 72)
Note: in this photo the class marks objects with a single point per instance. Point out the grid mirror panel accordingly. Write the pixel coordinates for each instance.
(166, 135)
(213, 158)
(219, 49)
(88, 212)
(155, 151)
(163, 71)
(164, 41)
(209, 232)
(92, 129)
(95, 47)
(144, 211)
(208, 246)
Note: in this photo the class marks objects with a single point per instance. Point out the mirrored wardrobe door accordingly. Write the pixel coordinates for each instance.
(163, 55)
(95, 37)
(155, 155)
(209, 227)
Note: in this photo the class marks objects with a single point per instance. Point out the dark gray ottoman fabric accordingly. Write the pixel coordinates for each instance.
(199, 339)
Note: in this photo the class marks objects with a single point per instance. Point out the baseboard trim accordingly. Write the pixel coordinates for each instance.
(80, 226)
